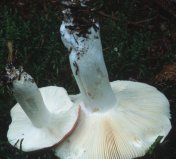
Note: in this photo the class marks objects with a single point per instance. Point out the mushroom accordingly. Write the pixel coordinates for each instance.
(42, 117)
(118, 120)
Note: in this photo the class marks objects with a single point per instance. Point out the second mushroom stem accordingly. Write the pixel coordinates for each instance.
(29, 97)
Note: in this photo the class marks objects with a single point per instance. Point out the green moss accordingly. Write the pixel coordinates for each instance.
(127, 42)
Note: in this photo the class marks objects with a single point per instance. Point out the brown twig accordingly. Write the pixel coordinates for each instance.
(138, 23)
(108, 16)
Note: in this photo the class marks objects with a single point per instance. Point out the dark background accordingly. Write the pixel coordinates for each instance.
(139, 43)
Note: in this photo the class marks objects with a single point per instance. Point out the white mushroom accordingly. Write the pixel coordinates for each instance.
(42, 117)
(119, 120)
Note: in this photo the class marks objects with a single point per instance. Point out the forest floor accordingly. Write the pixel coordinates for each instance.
(139, 43)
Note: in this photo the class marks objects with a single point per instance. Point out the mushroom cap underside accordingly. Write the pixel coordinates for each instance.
(64, 115)
(124, 132)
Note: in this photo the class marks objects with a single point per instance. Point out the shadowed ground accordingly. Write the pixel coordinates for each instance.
(139, 43)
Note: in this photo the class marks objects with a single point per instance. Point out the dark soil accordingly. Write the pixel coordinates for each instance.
(139, 43)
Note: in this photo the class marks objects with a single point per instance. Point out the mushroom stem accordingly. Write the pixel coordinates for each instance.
(91, 75)
(28, 95)
(86, 60)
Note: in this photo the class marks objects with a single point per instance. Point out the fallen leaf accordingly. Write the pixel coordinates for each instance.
(168, 73)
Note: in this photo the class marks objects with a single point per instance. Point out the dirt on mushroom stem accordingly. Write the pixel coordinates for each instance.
(83, 18)
(10, 74)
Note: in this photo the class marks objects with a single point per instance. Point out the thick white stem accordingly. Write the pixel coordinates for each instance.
(89, 68)
(29, 97)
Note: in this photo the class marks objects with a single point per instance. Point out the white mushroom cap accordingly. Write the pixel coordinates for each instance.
(64, 115)
(126, 131)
